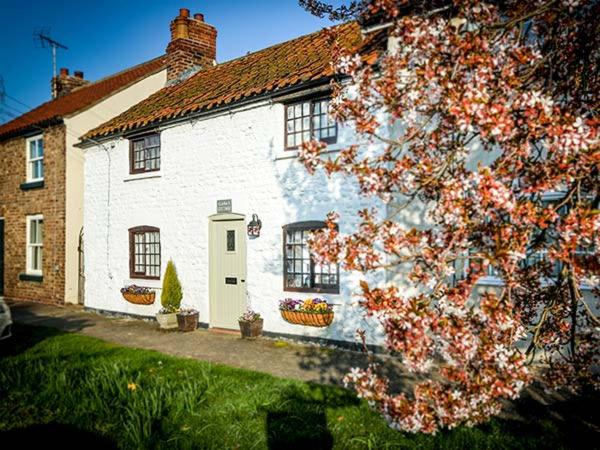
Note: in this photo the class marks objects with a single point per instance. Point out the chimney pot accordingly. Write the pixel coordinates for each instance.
(63, 83)
(193, 45)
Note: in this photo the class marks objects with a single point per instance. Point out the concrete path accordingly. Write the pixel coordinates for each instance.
(279, 358)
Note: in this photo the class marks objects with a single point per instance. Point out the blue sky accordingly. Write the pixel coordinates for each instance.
(105, 36)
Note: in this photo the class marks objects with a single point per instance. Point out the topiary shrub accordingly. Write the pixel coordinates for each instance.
(171, 294)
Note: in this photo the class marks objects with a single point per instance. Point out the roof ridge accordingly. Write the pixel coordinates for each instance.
(81, 98)
(302, 59)
(80, 88)
(286, 42)
(116, 74)
(239, 59)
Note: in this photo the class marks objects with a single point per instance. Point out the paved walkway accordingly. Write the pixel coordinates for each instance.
(284, 359)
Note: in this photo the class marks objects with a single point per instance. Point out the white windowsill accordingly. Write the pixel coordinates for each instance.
(293, 154)
(142, 176)
(143, 282)
(490, 281)
(495, 281)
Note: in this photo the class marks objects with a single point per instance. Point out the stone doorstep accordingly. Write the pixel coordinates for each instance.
(223, 331)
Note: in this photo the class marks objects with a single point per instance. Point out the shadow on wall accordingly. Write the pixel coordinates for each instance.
(311, 197)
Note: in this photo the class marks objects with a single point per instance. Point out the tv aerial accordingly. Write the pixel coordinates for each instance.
(42, 36)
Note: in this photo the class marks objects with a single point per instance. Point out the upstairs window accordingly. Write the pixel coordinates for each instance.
(308, 120)
(144, 252)
(533, 257)
(144, 153)
(35, 244)
(35, 158)
(300, 272)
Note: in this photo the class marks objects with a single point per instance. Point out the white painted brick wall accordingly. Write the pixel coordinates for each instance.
(233, 155)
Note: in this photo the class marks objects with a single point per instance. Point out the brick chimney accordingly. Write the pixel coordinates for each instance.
(193, 46)
(64, 83)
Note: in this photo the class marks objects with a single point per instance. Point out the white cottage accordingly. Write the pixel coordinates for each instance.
(187, 170)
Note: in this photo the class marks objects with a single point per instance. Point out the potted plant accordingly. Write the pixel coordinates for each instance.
(187, 319)
(170, 298)
(251, 324)
(312, 312)
(138, 295)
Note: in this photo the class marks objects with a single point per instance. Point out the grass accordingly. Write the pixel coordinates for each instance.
(59, 386)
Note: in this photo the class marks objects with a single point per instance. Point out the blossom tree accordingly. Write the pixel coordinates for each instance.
(484, 115)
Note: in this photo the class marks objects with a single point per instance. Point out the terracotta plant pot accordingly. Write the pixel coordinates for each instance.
(139, 299)
(187, 322)
(167, 321)
(251, 330)
(308, 319)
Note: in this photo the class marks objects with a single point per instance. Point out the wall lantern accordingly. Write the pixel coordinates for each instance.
(254, 227)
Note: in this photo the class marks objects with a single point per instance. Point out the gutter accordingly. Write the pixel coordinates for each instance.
(289, 93)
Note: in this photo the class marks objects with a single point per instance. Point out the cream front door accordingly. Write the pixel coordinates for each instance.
(227, 270)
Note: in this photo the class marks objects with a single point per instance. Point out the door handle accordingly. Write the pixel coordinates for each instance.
(243, 281)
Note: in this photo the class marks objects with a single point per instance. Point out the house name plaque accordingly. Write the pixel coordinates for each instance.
(224, 206)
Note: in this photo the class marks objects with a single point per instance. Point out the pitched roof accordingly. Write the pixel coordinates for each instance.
(300, 60)
(81, 98)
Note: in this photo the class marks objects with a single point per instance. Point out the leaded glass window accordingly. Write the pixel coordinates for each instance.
(144, 252)
(308, 120)
(301, 272)
(145, 153)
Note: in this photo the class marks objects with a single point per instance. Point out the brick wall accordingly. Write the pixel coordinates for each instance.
(65, 83)
(193, 44)
(16, 204)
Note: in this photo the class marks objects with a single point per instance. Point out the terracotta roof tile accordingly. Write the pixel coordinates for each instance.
(81, 98)
(287, 64)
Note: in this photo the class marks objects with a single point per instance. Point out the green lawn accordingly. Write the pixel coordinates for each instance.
(64, 387)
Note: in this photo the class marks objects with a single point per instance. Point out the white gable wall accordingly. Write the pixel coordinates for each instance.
(77, 125)
(236, 156)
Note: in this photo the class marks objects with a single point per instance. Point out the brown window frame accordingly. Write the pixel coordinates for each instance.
(132, 141)
(310, 225)
(142, 230)
(311, 101)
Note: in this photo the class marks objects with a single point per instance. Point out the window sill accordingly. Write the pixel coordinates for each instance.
(29, 277)
(293, 154)
(32, 185)
(313, 291)
(490, 281)
(142, 176)
(495, 281)
(151, 283)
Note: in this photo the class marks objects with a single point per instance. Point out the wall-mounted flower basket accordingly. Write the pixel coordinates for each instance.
(138, 295)
(309, 319)
(312, 312)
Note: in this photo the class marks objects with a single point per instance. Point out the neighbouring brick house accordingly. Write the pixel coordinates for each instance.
(194, 164)
(41, 171)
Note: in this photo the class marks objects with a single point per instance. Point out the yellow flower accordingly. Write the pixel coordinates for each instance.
(308, 304)
(131, 386)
